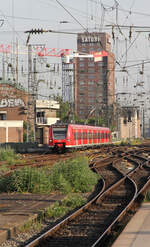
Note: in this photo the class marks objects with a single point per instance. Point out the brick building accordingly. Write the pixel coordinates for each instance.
(13, 105)
(13, 113)
(94, 87)
(13, 101)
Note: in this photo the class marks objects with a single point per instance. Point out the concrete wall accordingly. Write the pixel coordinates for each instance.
(11, 131)
(130, 130)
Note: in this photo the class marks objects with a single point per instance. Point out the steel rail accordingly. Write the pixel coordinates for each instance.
(75, 214)
(98, 197)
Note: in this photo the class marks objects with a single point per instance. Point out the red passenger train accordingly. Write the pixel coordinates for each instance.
(63, 136)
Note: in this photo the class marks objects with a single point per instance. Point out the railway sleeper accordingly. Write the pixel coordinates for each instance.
(111, 204)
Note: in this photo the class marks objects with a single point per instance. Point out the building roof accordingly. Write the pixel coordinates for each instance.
(50, 104)
(13, 84)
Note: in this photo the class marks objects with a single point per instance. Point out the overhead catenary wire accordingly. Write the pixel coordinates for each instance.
(71, 15)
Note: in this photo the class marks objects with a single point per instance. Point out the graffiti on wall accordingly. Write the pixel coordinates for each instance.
(11, 103)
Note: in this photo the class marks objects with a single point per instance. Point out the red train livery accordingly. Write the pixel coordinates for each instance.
(63, 136)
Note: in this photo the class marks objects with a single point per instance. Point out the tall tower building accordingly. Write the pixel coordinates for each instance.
(94, 83)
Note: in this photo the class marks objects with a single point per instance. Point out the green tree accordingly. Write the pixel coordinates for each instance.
(64, 110)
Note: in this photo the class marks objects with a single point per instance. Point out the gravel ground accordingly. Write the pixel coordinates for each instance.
(20, 239)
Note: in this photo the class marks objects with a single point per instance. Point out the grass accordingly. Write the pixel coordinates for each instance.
(59, 209)
(65, 177)
(35, 225)
(71, 178)
(55, 211)
(26, 179)
(9, 156)
(8, 153)
(147, 196)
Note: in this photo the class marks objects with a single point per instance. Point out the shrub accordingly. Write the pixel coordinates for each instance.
(73, 201)
(7, 154)
(26, 180)
(56, 210)
(76, 173)
(147, 196)
(59, 209)
(66, 177)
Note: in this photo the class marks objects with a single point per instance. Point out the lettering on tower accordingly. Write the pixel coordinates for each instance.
(89, 39)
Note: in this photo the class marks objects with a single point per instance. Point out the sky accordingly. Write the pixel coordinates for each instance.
(72, 16)
(20, 16)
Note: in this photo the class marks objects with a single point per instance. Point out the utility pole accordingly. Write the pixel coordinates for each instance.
(117, 4)
(34, 97)
(30, 94)
(17, 61)
(3, 62)
(143, 123)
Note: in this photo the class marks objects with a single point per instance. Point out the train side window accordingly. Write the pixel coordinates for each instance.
(79, 135)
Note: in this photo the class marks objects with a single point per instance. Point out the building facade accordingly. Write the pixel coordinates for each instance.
(129, 123)
(94, 83)
(13, 105)
(46, 115)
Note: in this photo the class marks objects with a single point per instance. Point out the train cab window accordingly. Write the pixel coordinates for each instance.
(59, 132)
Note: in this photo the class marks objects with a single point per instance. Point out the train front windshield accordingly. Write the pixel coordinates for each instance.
(59, 133)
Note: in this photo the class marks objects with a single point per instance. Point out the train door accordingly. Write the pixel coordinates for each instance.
(87, 137)
(99, 137)
(102, 136)
(81, 137)
(93, 136)
(76, 137)
(84, 137)
(90, 137)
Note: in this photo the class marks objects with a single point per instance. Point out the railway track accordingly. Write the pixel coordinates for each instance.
(90, 224)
